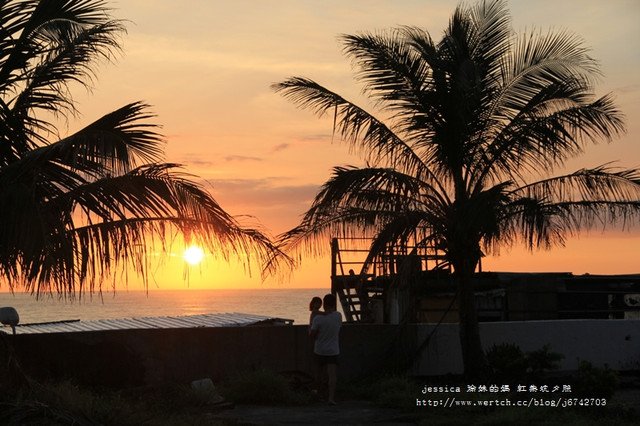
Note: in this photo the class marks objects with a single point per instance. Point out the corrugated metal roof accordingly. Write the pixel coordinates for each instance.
(187, 321)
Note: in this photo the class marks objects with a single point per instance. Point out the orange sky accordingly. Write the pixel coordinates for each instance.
(206, 68)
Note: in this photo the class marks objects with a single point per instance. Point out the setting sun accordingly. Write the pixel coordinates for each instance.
(193, 255)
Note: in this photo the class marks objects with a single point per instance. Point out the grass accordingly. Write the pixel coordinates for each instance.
(66, 403)
(263, 387)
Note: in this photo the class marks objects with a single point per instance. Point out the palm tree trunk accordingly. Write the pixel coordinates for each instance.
(473, 357)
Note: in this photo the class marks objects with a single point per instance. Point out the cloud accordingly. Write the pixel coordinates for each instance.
(239, 58)
(632, 88)
(301, 140)
(241, 158)
(320, 137)
(198, 163)
(277, 203)
(280, 147)
(266, 193)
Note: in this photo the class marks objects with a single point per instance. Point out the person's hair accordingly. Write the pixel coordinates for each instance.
(315, 303)
(329, 301)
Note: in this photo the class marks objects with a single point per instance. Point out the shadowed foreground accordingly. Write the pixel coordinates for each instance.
(346, 413)
(349, 413)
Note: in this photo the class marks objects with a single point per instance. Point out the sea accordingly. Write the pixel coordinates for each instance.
(286, 303)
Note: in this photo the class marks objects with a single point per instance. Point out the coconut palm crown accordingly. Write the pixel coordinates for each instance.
(475, 129)
(75, 209)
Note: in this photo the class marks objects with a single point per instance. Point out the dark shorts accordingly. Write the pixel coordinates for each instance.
(326, 359)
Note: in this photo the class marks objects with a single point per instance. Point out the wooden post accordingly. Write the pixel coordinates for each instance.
(334, 261)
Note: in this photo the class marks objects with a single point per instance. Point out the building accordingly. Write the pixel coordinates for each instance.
(405, 284)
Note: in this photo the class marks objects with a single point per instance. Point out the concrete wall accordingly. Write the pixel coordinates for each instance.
(122, 358)
(137, 357)
(612, 343)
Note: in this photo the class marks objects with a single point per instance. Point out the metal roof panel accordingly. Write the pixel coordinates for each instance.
(233, 319)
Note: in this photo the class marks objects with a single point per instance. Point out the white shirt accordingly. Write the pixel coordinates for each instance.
(327, 341)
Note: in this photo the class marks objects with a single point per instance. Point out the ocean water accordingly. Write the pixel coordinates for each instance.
(283, 303)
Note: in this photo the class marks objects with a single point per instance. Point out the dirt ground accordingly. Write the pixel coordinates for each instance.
(351, 413)
(347, 413)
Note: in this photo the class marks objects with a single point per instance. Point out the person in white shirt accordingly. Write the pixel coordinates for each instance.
(325, 330)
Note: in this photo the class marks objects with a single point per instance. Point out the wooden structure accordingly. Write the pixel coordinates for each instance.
(363, 282)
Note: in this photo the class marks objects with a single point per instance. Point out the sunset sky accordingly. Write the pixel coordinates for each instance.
(206, 67)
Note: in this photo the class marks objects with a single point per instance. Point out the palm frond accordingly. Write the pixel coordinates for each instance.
(360, 129)
(537, 59)
(363, 200)
(546, 212)
(398, 231)
(112, 145)
(45, 85)
(391, 70)
(47, 45)
(492, 37)
(373, 189)
(36, 27)
(597, 184)
(362, 187)
(541, 224)
(115, 222)
(310, 236)
(546, 135)
(118, 142)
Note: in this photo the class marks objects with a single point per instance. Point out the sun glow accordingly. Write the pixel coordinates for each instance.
(193, 255)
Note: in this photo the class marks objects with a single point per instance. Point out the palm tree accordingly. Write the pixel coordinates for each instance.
(473, 127)
(78, 208)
